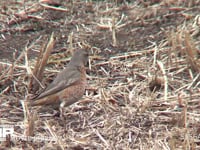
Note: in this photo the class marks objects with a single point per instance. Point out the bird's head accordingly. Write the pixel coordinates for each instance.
(79, 58)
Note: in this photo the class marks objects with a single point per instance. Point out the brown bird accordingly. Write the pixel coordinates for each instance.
(68, 86)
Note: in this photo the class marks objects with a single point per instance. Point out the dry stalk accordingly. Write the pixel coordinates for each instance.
(191, 52)
(9, 73)
(160, 64)
(29, 120)
(41, 63)
(54, 8)
(70, 41)
(113, 29)
(101, 138)
(155, 55)
(7, 64)
(194, 81)
(55, 137)
(132, 54)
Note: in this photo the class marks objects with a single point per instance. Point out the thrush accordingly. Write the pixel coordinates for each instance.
(68, 86)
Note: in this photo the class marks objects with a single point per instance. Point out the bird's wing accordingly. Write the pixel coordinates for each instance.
(64, 79)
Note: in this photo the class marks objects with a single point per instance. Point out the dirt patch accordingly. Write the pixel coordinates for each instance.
(143, 74)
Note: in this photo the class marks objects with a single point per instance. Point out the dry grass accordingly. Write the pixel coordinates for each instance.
(143, 75)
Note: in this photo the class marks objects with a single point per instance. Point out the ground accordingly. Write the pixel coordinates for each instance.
(143, 74)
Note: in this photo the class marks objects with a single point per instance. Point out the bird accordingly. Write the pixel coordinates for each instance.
(68, 86)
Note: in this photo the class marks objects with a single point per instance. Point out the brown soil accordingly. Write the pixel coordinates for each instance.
(144, 89)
